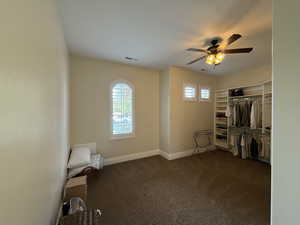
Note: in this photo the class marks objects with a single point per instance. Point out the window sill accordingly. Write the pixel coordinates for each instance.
(205, 100)
(120, 137)
(190, 99)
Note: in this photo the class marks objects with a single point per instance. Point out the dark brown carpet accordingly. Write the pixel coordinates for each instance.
(213, 188)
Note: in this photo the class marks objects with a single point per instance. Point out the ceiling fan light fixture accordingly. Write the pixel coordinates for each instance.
(211, 57)
(220, 56)
(215, 55)
(209, 62)
(217, 61)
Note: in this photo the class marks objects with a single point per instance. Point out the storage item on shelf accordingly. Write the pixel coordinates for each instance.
(76, 187)
(236, 92)
(221, 131)
(221, 126)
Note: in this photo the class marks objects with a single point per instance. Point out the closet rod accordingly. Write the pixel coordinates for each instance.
(245, 96)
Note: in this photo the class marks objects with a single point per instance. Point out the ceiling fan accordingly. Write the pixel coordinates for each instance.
(215, 55)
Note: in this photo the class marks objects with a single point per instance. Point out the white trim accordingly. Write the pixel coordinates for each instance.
(59, 214)
(125, 158)
(177, 155)
(140, 155)
(121, 136)
(164, 154)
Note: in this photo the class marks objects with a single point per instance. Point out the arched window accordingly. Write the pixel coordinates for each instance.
(122, 113)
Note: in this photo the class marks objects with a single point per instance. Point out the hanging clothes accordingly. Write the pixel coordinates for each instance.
(256, 115)
(262, 150)
(246, 114)
(234, 145)
(241, 113)
(237, 114)
(254, 149)
(243, 147)
(228, 111)
(253, 116)
(246, 110)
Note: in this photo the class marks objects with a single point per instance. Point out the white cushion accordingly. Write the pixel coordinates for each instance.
(79, 157)
(96, 162)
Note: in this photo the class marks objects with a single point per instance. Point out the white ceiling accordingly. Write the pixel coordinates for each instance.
(157, 32)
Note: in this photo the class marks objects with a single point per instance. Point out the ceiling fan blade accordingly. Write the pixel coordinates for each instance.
(237, 50)
(196, 50)
(233, 38)
(196, 60)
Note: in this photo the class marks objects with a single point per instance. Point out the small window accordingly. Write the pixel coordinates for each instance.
(122, 115)
(189, 92)
(204, 94)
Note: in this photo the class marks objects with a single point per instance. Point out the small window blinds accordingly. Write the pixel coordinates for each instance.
(204, 94)
(189, 92)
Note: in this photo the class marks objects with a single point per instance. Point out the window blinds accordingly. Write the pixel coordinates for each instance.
(122, 109)
(204, 93)
(189, 92)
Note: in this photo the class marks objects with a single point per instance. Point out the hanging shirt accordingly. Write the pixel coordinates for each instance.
(233, 143)
(253, 116)
(238, 115)
(234, 122)
(228, 112)
(262, 151)
(243, 145)
(245, 113)
(254, 149)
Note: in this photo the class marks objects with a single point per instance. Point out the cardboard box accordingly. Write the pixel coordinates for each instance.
(76, 187)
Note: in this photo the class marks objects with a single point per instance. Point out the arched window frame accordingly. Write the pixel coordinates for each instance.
(128, 135)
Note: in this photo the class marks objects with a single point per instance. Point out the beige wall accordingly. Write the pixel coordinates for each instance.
(165, 96)
(187, 117)
(180, 119)
(286, 109)
(90, 105)
(248, 77)
(33, 112)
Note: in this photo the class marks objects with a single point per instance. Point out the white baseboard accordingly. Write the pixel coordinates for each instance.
(125, 158)
(140, 155)
(59, 214)
(178, 155)
(164, 154)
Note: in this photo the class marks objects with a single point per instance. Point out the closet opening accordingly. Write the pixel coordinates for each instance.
(243, 127)
(243, 121)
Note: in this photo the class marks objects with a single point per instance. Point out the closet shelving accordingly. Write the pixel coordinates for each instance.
(221, 121)
(223, 128)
